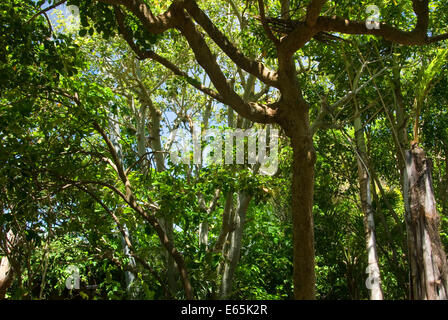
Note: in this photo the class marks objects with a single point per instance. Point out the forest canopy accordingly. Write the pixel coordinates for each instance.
(224, 149)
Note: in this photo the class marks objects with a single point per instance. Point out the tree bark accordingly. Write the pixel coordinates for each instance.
(376, 292)
(129, 275)
(6, 276)
(6, 269)
(235, 238)
(155, 144)
(428, 264)
(304, 277)
(290, 111)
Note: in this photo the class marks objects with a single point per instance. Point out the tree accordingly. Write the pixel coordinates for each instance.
(291, 111)
(86, 184)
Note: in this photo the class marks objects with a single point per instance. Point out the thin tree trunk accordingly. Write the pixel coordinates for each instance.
(225, 228)
(129, 275)
(400, 271)
(155, 139)
(234, 249)
(203, 226)
(203, 234)
(171, 268)
(166, 222)
(376, 292)
(231, 252)
(428, 264)
(156, 146)
(44, 270)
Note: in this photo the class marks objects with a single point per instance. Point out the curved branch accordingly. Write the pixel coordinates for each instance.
(252, 111)
(127, 240)
(338, 24)
(265, 24)
(153, 24)
(57, 4)
(258, 69)
(166, 63)
(299, 33)
(152, 220)
(418, 36)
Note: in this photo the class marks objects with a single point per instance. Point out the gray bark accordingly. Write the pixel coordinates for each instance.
(6, 276)
(234, 246)
(6, 269)
(129, 275)
(203, 234)
(427, 258)
(155, 143)
(226, 226)
(376, 292)
(140, 116)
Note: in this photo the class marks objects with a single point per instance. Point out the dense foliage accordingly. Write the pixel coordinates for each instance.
(87, 183)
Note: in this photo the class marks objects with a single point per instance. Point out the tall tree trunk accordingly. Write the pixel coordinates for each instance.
(171, 267)
(203, 234)
(231, 252)
(129, 275)
(235, 238)
(428, 264)
(376, 292)
(167, 222)
(401, 121)
(6, 276)
(6, 269)
(223, 241)
(294, 118)
(428, 269)
(304, 158)
(155, 143)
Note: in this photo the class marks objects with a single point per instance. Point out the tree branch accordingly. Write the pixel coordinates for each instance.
(252, 111)
(46, 9)
(258, 69)
(266, 27)
(299, 33)
(152, 55)
(153, 24)
(416, 37)
(313, 11)
(127, 240)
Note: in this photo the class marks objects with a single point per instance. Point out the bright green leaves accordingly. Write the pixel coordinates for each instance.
(428, 74)
(95, 16)
(101, 18)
